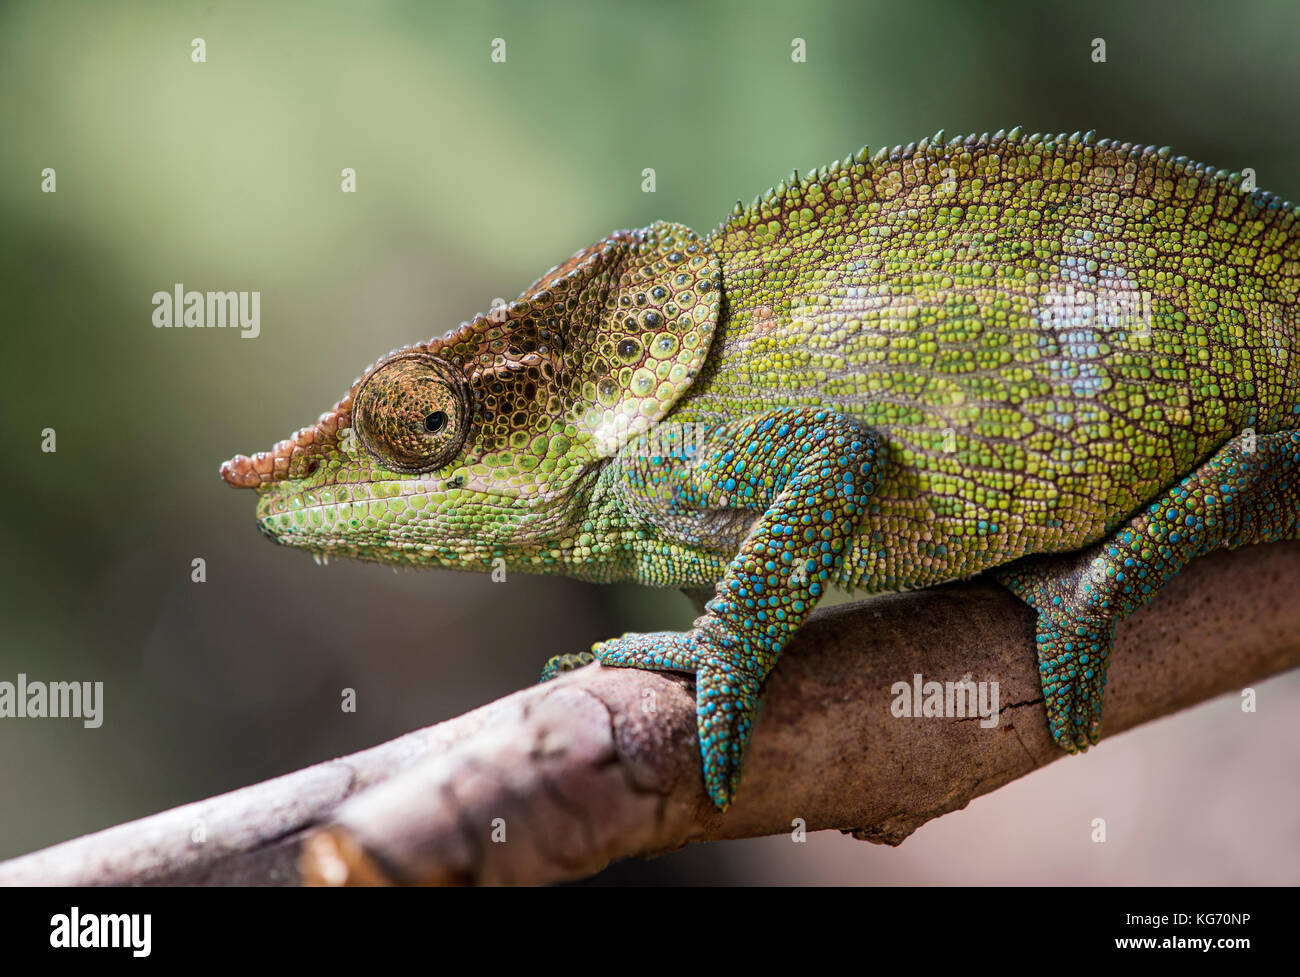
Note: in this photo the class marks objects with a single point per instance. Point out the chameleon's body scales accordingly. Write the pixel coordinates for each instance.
(995, 293)
(957, 356)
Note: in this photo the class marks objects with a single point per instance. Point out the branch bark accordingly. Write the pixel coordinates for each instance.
(554, 782)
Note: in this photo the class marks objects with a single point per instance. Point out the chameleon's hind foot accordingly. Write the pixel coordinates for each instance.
(657, 651)
(1248, 492)
(565, 663)
(726, 697)
(1072, 660)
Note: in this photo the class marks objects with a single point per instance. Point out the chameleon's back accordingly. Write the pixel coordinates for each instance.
(1047, 331)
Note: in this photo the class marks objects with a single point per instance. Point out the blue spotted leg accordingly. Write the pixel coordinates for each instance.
(808, 473)
(1248, 492)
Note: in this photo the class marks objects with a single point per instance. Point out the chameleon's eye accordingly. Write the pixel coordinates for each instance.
(410, 414)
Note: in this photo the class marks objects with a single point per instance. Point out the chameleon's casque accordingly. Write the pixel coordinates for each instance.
(1071, 360)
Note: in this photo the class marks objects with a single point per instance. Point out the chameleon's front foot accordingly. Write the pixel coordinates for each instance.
(726, 696)
(560, 664)
(808, 473)
(1072, 658)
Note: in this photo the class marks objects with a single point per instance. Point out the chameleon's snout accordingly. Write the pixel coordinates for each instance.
(241, 472)
(257, 472)
(297, 456)
(294, 457)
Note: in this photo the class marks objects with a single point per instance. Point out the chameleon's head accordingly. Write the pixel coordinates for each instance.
(481, 444)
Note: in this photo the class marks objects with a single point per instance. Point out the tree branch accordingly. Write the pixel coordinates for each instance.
(553, 782)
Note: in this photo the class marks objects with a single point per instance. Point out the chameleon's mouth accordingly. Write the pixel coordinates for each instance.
(265, 527)
(322, 545)
(336, 522)
(290, 515)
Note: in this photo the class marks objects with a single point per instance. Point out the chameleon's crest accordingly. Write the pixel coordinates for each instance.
(587, 358)
(938, 160)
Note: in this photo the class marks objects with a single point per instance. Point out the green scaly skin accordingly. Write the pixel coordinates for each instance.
(1072, 362)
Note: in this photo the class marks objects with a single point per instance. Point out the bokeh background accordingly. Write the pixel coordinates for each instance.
(474, 177)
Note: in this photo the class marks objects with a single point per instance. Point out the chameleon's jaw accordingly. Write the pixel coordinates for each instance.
(321, 521)
(282, 531)
(378, 522)
(325, 544)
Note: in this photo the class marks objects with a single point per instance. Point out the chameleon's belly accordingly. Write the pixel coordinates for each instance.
(1005, 432)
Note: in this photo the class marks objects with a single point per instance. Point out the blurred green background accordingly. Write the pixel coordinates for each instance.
(474, 177)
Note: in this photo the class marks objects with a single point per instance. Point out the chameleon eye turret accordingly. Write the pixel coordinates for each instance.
(410, 414)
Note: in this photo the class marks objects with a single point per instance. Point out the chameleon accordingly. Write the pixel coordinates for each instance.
(1065, 361)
